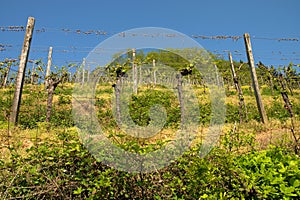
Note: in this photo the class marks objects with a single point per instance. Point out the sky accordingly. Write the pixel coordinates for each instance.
(264, 20)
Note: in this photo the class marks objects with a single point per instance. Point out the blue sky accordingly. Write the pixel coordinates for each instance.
(262, 19)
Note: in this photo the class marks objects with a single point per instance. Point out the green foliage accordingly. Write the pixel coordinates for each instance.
(63, 168)
(232, 114)
(5, 104)
(63, 99)
(205, 113)
(236, 140)
(140, 106)
(277, 111)
(266, 91)
(252, 111)
(31, 119)
(62, 118)
(273, 174)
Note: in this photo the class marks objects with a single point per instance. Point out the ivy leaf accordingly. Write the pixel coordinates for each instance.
(78, 191)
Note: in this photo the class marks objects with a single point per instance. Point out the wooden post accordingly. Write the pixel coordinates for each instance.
(154, 71)
(180, 96)
(141, 75)
(118, 102)
(21, 71)
(134, 72)
(48, 70)
(88, 74)
(260, 105)
(239, 90)
(83, 71)
(217, 75)
(234, 77)
(32, 77)
(6, 73)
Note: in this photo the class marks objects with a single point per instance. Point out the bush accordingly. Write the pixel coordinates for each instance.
(64, 169)
(140, 105)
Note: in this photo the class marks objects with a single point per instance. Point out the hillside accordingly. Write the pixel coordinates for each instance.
(250, 159)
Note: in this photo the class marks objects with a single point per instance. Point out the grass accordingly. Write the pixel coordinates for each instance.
(275, 132)
(36, 162)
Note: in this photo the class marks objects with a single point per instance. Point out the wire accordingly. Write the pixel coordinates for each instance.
(124, 34)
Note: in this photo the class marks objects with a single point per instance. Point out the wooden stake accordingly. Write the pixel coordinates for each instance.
(88, 74)
(260, 105)
(239, 90)
(235, 80)
(154, 71)
(180, 96)
(21, 71)
(134, 72)
(141, 75)
(118, 102)
(83, 71)
(6, 73)
(217, 75)
(32, 77)
(48, 67)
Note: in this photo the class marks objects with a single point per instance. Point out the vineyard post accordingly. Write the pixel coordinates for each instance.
(88, 73)
(32, 74)
(134, 72)
(258, 97)
(154, 71)
(48, 67)
(118, 102)
(234, 77)
(141, 75)
(83, 71)
(180, 96)
(238, 89)
(217, 75)
(21, 71)
(6, 73)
